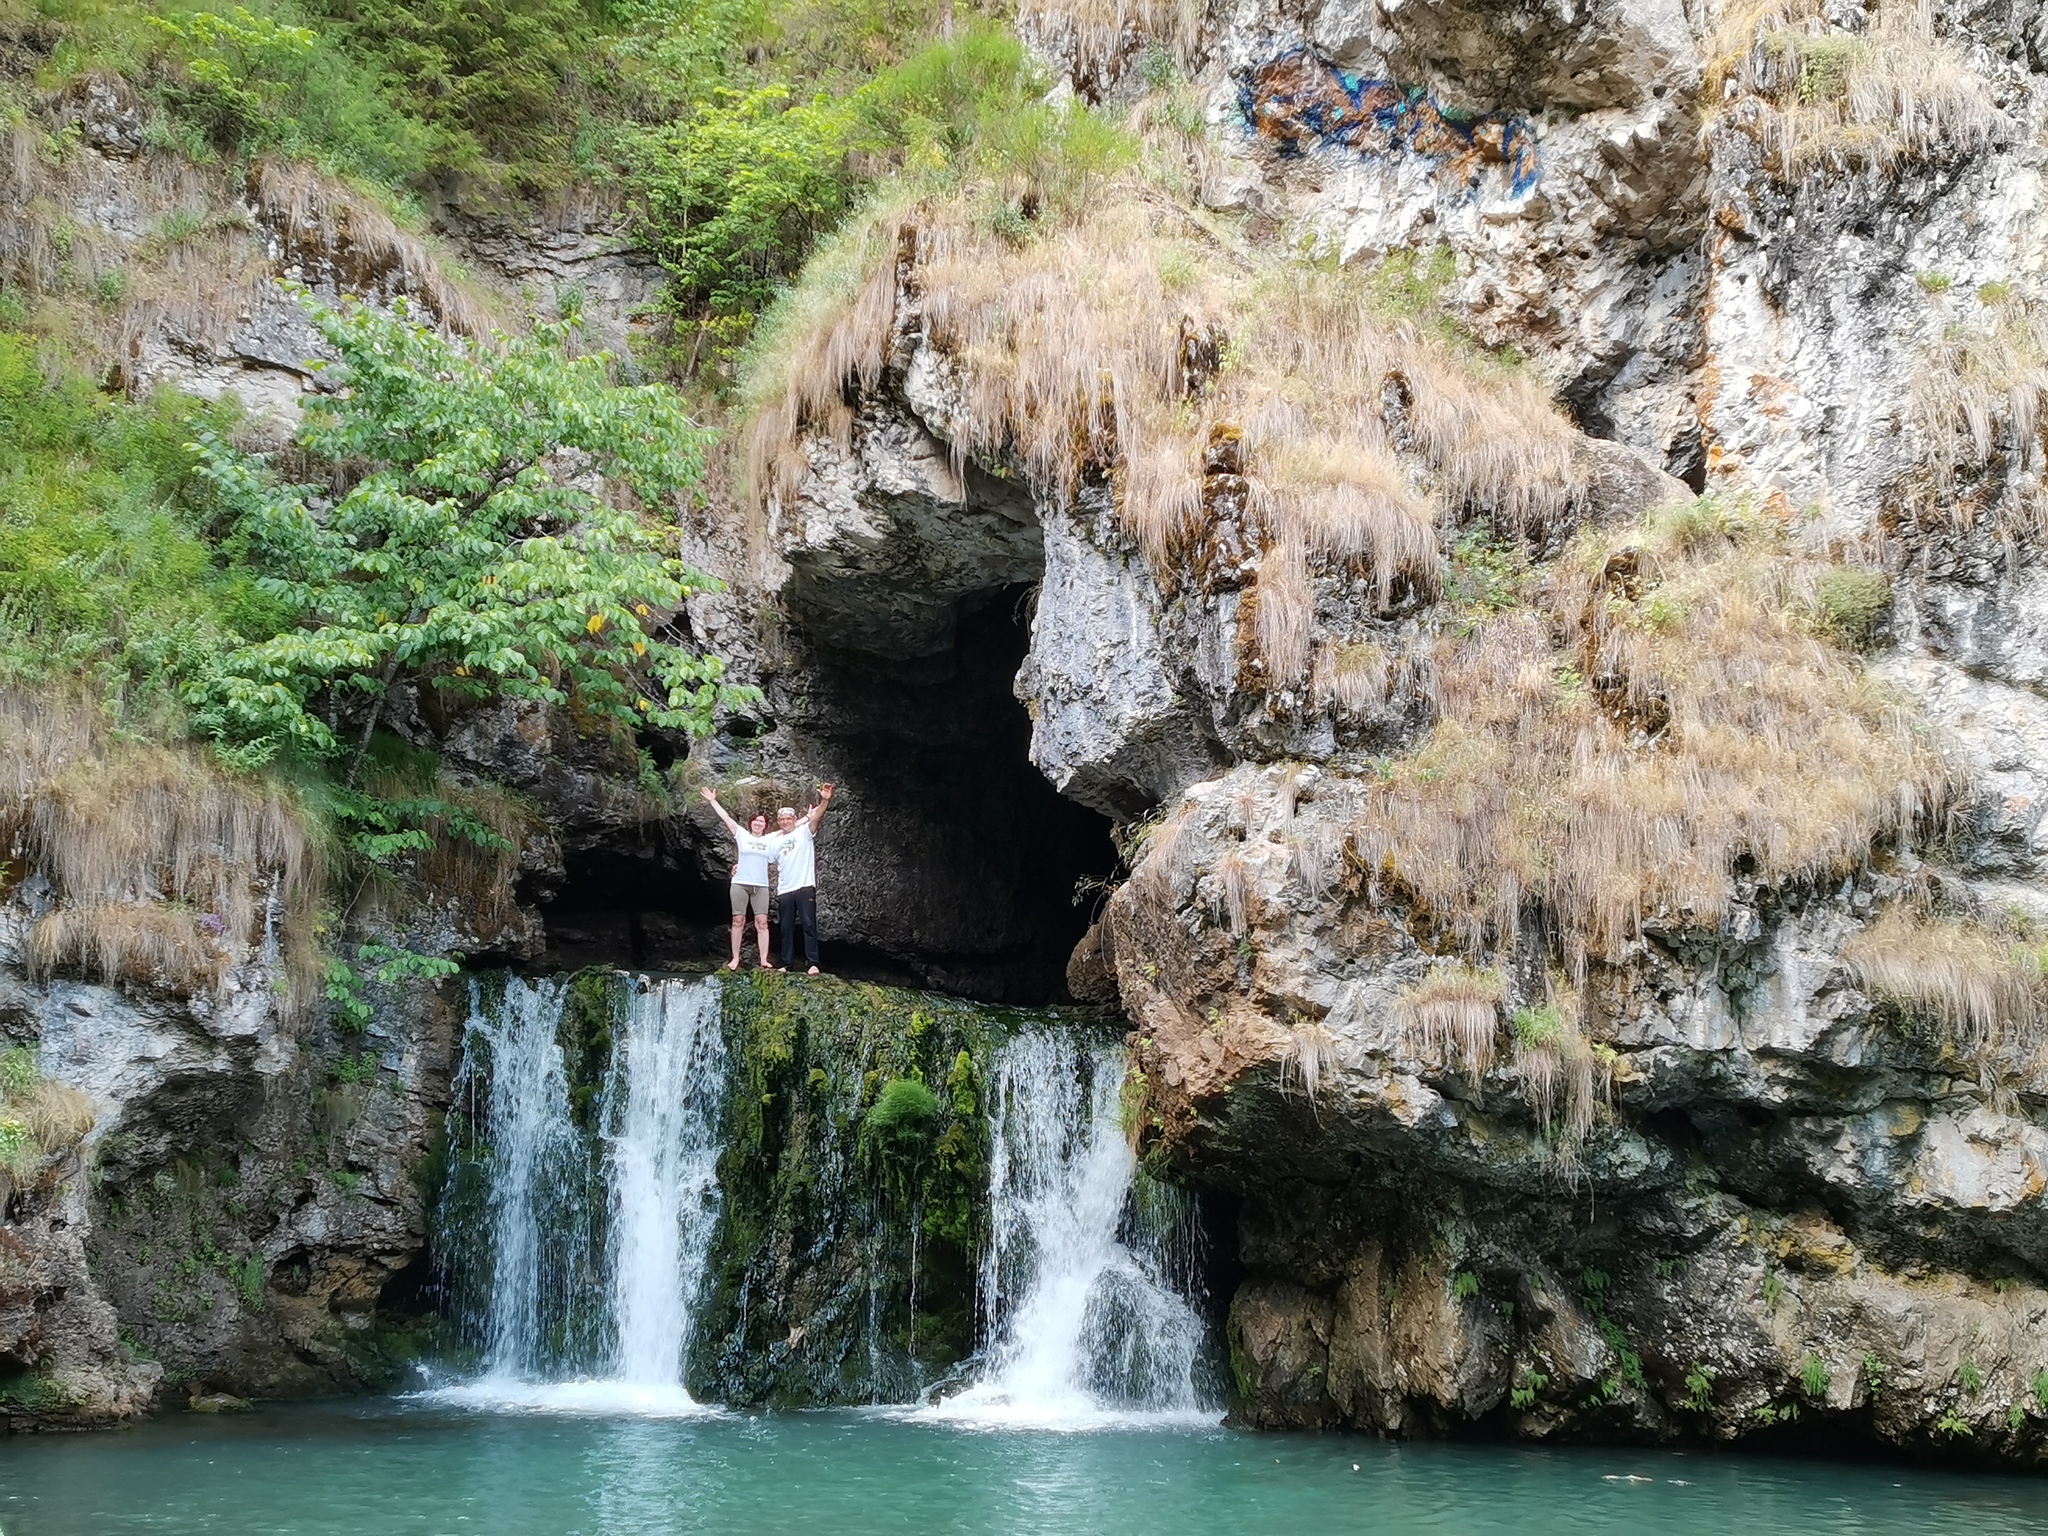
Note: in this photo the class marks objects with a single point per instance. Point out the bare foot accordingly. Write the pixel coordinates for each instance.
(814, 970)
(735, 965)
(766, 966)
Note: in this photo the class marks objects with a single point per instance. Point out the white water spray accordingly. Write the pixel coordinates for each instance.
(1089, 1328)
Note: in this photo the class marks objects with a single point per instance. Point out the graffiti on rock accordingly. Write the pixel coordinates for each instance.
(1298, 103)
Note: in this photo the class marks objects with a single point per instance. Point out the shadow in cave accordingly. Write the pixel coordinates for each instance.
(949, 861)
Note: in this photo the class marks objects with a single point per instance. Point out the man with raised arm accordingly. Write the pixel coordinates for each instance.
(749, 880)
(796, 877)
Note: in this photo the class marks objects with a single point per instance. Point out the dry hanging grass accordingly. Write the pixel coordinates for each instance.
(1454, 1013)
(324, 223)
(1982, 989)
(1352, 675)
(1204, 382)
(1101, 34)
(1308, 1057)
(129, 941)
(57, 1115)
(1564, 1077)
(1666, 711)
(164, 867)
(1846, 100)
(1981, 390)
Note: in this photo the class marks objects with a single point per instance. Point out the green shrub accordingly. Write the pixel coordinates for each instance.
(900, 1126)
(1852, 603)
(1538, 1026)
(1813, 1375)
(1699, 1387)
(104, 566)
(17, 1071)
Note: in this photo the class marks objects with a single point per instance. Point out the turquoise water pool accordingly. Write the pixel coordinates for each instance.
(407, 1466)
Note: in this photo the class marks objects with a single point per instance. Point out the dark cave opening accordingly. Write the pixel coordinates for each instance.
(948, 860)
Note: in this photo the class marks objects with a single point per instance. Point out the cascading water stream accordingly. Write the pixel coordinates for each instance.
(670, 1070)
(1089, 1324)
(593, 1266)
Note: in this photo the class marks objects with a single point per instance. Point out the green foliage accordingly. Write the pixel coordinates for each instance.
(1813, 1375)
(1538, 1026)
(2038, 1385)
(1484, 578)
(385, 965)
(502, 87)
(461, 559)
(1935, 282)
(1824, 66)
(1874, 1371)
(1970, 1377)
(1851, 601)
(1464, 1285)
(1699, 1387)
(104, 566)
(257, 81)
(19, 1151)
(1774, 1287)
(1952, 1424)
(247, 1275)
(732, 194)
(17, 1071)
(1522, 1396)
(357, 1068)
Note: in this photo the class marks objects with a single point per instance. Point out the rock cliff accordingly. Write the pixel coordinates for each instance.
(1553, 1102)
(1565, 674)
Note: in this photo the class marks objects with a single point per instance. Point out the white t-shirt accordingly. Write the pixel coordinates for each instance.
(755, 852)
(797, 860)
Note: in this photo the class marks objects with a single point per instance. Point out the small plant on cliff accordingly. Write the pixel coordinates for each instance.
(471, 557)
(898, 1129)
(1851, 601)
(17, 1071)
(1874, 1371)
(1774, 1287)
(1952, 1424)
(1970, 1377)
(1464, 1285)
(1699, 1387)
(2038, 1385)
(1522, 1396)
(1813, 1375)
(19, 1154)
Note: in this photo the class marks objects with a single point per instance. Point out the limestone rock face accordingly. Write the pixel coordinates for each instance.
(1790, 1213)
(248, 1192)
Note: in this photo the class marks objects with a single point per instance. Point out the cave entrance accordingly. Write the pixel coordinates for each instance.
(948, 861)
(965, 870)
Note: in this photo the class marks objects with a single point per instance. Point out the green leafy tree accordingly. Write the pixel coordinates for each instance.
(509, 538)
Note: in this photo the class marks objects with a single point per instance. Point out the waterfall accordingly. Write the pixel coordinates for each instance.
(591, 1250)
(1089, 1323)
(669, 1071)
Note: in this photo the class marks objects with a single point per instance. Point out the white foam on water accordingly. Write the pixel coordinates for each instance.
(587, 1398)
(1089, 1333)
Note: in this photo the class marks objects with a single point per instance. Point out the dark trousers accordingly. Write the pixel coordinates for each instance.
(798, 909)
